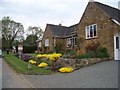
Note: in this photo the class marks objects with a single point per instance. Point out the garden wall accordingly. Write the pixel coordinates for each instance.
(78, 63)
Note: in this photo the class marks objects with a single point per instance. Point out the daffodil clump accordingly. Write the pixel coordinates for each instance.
(32, 62)
(43, 55)
(52, 57)
(42, 64)
(65, 69)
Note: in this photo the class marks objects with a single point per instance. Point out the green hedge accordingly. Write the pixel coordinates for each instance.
(29, 49)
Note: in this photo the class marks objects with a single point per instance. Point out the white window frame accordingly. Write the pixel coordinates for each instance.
(47, 42)
(69, 42)
(87, 31)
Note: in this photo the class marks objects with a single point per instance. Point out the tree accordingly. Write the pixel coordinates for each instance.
(37, 31)
(31, 40)
(11, 30)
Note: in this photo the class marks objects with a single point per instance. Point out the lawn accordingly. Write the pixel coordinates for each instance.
(22, 67)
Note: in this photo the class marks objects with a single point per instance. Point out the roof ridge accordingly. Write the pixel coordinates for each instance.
(106, 5)
(57, 25)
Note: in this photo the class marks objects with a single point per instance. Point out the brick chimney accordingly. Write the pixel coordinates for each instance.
(60, 24)
(91, 0)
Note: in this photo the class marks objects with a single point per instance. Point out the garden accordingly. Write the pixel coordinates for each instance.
(42, 63)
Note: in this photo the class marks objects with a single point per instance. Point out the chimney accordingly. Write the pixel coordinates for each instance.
(91, 0)
(60, 24)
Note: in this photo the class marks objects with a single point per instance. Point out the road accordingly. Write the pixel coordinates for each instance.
(101, 75)
(10, 79)
(0, 73)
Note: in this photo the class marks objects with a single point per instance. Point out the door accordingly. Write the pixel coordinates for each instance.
(116, 47)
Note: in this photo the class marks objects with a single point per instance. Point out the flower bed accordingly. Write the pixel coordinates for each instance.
(46, 61)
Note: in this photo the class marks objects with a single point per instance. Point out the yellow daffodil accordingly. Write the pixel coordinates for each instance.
(32, 61)
(66, 69)
(52, 57)
(42, 64)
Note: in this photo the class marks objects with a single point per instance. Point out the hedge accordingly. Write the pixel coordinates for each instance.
(29, 49)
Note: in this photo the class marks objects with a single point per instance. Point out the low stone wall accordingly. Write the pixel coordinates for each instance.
(78, 63)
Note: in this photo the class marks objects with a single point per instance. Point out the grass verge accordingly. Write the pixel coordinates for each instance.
(22, 67)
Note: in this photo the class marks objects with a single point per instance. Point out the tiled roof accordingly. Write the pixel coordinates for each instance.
(61, 31)
(112, 12)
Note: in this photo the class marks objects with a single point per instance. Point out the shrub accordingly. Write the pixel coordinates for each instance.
(79, 52)
(101, 50)
(26, 57)
(71, 52)
(92, 46)
(17, 55)
(29, 49)
(87, 55)
(102, 55)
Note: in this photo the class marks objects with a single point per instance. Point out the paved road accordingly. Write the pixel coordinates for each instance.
(12, 79)
(102, 75)
(0, 73)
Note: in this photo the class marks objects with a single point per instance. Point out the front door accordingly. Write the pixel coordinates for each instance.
(116, 47)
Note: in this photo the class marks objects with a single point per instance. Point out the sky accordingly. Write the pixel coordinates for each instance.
(41, 12)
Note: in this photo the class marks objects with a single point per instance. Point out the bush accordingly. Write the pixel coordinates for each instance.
(71, 52)
(26, 57)
(92, 46)
(84, 56)
(29, 49)
(102, 55)
(101, 50)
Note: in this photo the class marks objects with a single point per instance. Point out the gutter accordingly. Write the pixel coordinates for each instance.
(115, 21)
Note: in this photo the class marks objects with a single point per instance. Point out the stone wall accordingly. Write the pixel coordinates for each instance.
(79, 63)
(48, 34)
(105, 28)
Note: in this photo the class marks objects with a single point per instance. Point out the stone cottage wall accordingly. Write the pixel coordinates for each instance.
(105, 28)
(48, 34)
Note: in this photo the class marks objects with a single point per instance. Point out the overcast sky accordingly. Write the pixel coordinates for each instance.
(41, 12)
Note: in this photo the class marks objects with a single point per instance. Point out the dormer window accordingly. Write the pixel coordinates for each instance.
(91, 31)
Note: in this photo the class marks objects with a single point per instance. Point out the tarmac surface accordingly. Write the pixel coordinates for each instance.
(101, 75)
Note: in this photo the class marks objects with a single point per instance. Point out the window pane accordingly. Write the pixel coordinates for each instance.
(75, 41)
(91, 32)
(94, 27)
(88, 32)
(71, 41)
(117, 42)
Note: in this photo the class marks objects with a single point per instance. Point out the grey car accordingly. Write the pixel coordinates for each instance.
(0, 53)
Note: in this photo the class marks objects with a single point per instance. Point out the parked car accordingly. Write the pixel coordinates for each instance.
(0, 53)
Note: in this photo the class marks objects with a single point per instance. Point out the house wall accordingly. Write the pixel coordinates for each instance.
(47, 34)
(61, 41)
(105, 28)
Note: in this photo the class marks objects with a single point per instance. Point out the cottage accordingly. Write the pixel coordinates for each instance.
(100, 23)
(59, 38)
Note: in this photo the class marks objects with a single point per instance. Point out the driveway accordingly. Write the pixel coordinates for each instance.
(101, 75)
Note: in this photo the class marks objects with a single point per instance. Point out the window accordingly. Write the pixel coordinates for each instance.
(117, 42)
(46, 42)
(71, 41)
(91, 31)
